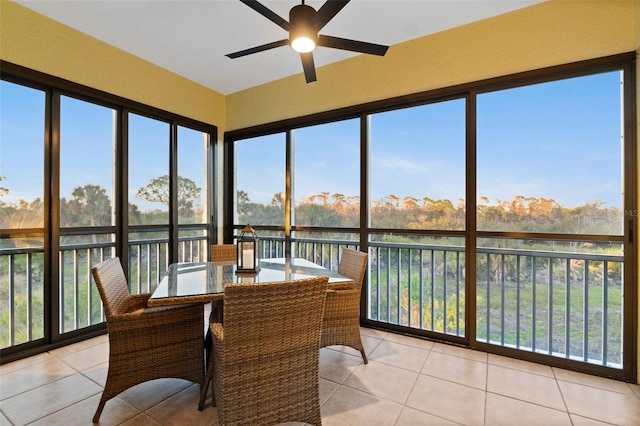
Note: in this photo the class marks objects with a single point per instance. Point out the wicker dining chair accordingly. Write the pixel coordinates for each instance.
(265, 363)
(224, 253)
(146, 343)
(341, 323)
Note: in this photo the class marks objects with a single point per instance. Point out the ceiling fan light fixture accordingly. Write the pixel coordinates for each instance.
(303, 37)
(303, 44)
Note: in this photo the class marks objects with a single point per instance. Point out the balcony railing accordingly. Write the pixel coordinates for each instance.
(417, 285)
(22, 283)
(21, 295)
(561, 304)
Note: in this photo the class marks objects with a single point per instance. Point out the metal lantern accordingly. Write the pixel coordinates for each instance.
(248, 259)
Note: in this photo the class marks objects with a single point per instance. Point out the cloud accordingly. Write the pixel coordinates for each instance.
(406, 166)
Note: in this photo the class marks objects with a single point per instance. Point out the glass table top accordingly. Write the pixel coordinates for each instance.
(205, 281)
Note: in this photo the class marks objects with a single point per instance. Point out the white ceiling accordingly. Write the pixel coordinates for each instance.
(191, 37)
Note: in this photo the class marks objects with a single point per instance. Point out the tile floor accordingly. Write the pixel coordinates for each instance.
(407, 382)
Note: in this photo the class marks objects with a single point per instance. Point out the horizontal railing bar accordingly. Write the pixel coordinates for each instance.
(20, 250)
(416, 246)
(21, 233)
(95, 230)
(85, 246)
(552, 254)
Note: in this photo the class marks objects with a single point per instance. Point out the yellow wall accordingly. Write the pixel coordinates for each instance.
(34, 41)
(542, 35)
(551, 33)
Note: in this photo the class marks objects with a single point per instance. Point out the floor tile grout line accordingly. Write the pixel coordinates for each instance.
(331, 394)
(26, 366)
(529, 402)
(453, 382)
(377, 361)
(425, 361)
(7, 417)
(486, 392)
(84, 346)
(41, 386)
(63, 408)
(594, 386)
(381, 397)
(413, 386)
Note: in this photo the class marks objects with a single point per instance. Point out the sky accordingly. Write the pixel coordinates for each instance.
(559, 140)
(86, 147)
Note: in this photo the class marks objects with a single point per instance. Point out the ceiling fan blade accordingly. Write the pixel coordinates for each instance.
(258, 49)
(352, 45)
(308, 66)
(268, 13)
(328, 10)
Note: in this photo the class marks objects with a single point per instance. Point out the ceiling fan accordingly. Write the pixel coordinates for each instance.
(303, 27)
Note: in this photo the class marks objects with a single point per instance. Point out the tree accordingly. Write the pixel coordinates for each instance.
(134, 214)
(242, 199)
(22, 214)
(3, 191)
(157, 191)
(278, 200)
(90, 206)
(409, 202)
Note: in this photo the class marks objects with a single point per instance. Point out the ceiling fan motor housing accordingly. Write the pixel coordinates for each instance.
(301, 18)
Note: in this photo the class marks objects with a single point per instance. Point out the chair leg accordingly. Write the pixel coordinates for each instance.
(207, 347)
(203, 391)
(364, 356)
(96, 416)
(209, 374)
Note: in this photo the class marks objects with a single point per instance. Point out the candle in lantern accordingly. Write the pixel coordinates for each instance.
(247, 259)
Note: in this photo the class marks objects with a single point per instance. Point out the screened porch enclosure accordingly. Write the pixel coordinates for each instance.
(488, 222)
(541, 270)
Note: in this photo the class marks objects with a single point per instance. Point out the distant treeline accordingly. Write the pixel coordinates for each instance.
(524, 214)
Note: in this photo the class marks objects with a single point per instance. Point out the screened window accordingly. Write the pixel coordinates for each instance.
(418, 167)
(192, 194)
(148, 170)
(87, 171)
(327, 174)
(260, 180)
(550, 157)
(87, 150)
(550, 162)
(22, 278)
(148, 200)
(192, 176)
(21, 156)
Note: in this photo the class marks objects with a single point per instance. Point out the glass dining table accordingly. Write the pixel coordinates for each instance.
(203, 282)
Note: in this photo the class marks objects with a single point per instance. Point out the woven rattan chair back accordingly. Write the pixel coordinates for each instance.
(353, 264)
(112, 286)
(146, 343)
(224, 253)
(341, 323)
(266, 356)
